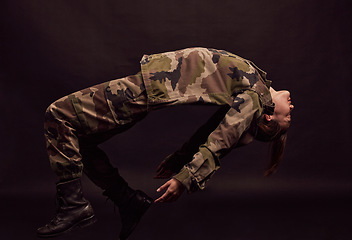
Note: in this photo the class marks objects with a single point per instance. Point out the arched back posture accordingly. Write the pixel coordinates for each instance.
(77, 123)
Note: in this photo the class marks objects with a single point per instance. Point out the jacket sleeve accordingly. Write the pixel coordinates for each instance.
(244, 110)
(184, 155)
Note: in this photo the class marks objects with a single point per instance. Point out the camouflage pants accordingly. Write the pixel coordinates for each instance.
(77, 123)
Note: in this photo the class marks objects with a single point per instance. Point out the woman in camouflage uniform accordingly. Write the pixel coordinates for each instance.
(77, 123)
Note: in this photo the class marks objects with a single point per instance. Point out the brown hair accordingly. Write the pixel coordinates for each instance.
(270, 131)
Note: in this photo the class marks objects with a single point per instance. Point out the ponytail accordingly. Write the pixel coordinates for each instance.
(270, 131)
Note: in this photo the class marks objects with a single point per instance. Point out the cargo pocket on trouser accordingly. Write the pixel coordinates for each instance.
(127, 99)
(92, 110)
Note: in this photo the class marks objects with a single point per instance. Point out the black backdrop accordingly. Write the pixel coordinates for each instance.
(52, 48)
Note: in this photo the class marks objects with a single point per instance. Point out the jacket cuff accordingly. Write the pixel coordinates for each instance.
(186, 179)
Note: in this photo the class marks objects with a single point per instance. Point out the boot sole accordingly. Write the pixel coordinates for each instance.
(82, 224)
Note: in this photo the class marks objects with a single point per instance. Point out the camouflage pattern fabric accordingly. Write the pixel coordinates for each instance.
(90, 116)
(208, 76)
(188, 76)
(201, 75)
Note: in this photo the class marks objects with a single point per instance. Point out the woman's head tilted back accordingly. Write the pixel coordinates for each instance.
(273, 128)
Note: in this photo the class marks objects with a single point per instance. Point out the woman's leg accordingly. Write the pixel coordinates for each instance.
(74, 126)
(62, 128)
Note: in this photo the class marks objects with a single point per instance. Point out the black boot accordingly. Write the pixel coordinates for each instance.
(73, 210)
(132, 204)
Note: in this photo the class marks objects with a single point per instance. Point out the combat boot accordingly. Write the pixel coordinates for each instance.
(73, 211)
(132, 205)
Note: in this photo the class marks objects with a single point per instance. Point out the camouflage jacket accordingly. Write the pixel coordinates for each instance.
(209, 76)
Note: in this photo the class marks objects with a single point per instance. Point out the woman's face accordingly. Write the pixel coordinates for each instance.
(283, 107)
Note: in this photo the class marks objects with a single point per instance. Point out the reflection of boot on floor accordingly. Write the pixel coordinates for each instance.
(132, 205)
(74, 211)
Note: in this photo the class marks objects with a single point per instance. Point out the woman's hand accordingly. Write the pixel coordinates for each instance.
(163, 171)
(174, 189)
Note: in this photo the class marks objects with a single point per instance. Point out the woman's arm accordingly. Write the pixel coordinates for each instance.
(205, 162)
(174, 162)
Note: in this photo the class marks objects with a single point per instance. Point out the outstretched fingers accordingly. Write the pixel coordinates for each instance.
(165, 196)
(163, 171)
(174, 189)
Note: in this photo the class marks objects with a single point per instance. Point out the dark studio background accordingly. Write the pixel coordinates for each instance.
(52, 48)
